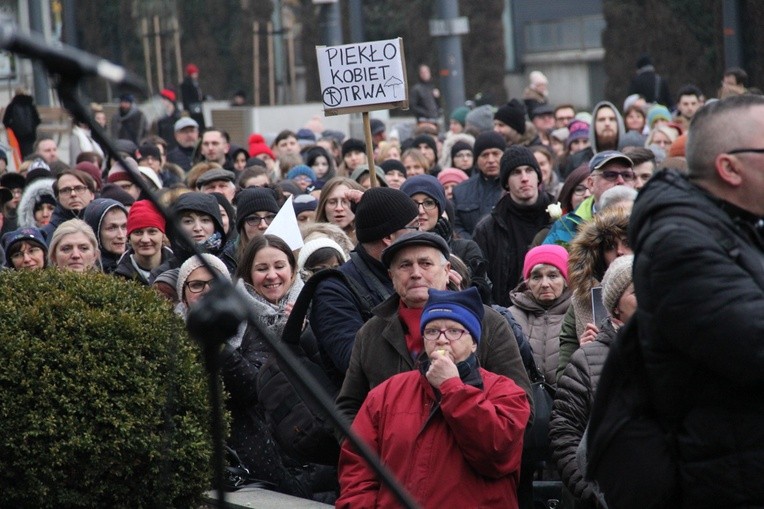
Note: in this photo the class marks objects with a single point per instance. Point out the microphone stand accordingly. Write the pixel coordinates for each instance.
(216, 317)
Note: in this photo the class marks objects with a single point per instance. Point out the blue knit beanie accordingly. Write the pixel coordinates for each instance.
(426, 184)
(302, 169)
(464, 307)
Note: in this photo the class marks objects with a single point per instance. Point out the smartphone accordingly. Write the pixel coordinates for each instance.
(598, 308)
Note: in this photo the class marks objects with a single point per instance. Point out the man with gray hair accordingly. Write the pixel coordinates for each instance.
(699, 281)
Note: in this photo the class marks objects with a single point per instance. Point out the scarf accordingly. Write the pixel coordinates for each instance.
(410, 318)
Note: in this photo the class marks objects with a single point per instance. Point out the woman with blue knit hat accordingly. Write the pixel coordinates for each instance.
(451, 431)
(430, 198)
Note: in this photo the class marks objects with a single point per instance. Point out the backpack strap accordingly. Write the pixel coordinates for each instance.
(296, 320)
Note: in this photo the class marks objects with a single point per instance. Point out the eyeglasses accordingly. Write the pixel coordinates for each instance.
(451, 334)
(428, 204)
(198, 285)
(32, 251)
(73, 189)
(579, 190)
(744, 150)
(256, 220)
(612, 176)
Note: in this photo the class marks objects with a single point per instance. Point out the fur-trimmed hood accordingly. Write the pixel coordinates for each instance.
(586, 262)
(32, 192)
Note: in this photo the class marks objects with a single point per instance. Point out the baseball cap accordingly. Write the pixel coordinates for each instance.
(602, 158)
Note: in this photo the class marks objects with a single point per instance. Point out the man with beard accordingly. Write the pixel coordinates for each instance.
(129, 123)
(504, 235)
(606, 131)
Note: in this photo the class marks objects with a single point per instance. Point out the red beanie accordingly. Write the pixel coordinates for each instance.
(550, 254)
(258, 146)
(192, 69)
(143, 214)
(168, 94)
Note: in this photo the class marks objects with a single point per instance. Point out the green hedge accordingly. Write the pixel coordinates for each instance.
(103, 398)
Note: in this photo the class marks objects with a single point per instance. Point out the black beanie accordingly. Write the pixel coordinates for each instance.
(392, 164)
(512, 114)
(254, 199)
(381, 212)
(515, 156)
(427, 140)
(489, 139)
(353, 144)
(201, 203)
(458, 147)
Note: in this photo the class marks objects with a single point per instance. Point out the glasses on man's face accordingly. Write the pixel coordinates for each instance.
(428, 204)
(451, 334)
(744, 150)
(256, 220)
(73, 189)
(612, 176)
(198, 285)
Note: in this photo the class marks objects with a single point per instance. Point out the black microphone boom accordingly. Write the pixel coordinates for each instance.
(64, 60)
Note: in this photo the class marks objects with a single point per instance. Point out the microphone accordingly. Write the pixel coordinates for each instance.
(65, 60)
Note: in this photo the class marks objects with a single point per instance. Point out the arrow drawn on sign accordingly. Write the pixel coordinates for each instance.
(394, 82)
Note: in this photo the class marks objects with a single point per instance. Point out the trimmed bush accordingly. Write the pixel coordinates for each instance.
(103, 398)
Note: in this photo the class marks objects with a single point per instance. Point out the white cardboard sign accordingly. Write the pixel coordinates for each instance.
(362, 76)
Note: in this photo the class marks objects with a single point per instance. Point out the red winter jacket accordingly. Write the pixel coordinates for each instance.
(466, 453)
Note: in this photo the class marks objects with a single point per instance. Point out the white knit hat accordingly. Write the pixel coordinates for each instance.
(194, 263)
(616, 280)
(314, 245)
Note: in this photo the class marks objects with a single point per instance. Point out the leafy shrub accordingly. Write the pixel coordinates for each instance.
(103, 398)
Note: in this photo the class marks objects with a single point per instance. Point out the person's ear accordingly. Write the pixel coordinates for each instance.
(474, 346)
(728, 169)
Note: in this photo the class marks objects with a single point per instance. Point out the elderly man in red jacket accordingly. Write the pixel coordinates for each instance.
(451, 431)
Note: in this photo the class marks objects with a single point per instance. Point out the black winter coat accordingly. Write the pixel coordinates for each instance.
(570, 413)
(699, 281)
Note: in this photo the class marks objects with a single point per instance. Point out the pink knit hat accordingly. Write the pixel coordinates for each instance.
(452, 175)
(550, 254)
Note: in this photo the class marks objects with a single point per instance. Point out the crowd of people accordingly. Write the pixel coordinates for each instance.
(469, 274)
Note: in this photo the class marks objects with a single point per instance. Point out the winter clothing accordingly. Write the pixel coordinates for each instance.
(513, 115)
(383, 211)
(29, 234)
(143, 214)
(94, 215)
(473, 200)
(193, 97)
(81, 140)
(487, 140)
(251, 200)
(128, 268)
(593, 131)
(564, 229)
(553, 255)
(571, 410)
(504, 237)
(414, 238)
(380, 351)
(129, 125)
(34, 193)
(429, 185)
(541, 325)
(616, 280)
(650, 85)
(700, 287)
(22, 117)
(464, 307)
(351, 145)
(422, 101)
(513, 157)
(466, 455)
(258, 146)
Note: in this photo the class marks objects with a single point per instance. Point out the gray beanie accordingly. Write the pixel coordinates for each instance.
(194, 263)
(617, 278)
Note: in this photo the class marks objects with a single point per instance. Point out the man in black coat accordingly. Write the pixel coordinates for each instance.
(649, 84)
(699, 281)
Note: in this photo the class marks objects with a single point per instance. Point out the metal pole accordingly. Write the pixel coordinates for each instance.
(329, 24)
(448, 28)
(39, 74)
(271, 78)
(70, 22)
(292, 68)
(357, 30)
(146, 52)
(256, 60)
(279, 57)
(158, 50)
(732, 32)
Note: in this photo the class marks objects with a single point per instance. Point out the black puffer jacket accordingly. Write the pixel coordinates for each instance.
(699, 281)
(570, 413)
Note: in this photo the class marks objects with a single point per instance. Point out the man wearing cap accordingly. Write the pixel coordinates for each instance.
(129, 123)
(608, 169)
(217, 180)
(165, 126)
(476, 197)
(377, 131)
(186, 138)
(506, 233)
(452, 430)
(391, 341)
(509, 121)
(542, 118)
(382, 215)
